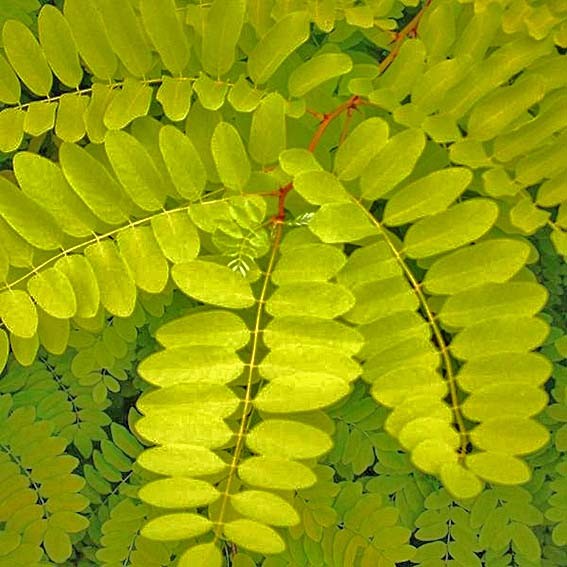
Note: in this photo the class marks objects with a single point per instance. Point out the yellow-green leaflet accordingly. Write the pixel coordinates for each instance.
(11, 129)
(268, 130)
(230, 157)
(70, 123)
(18, 312)
(316, 71)
(9, 84)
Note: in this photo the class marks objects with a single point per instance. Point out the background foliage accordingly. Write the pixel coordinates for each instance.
(283, 283)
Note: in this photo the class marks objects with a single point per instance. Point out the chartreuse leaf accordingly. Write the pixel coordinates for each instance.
(91, 38)
(24, 350)
(426, 196)
(115, 282)
(213, 364)
(92, 183)
(126, 36)
(268, 130)
(26, 57)
(254, 536)
(181, 460)
(207, 328)
(298, 160)
(230, 156)
(205, 554)
(70, 123)
(175, 97)
(172, 527)
(135, 170)
(141, 252)
(316, 71)
(101, 95)
(392, 164)
(183, 162)
(10, 89)
(18, 313)
(53, 333)
(312, 262)
(11, 129)
(54, 293)
(83, 280)
(27, 218)
(276, 473)
(288, 439)
(553, 191)
(4, 349)
(243, 96)
(341, 222)
(495, 260)
(523, 369)
(166, 33)
(221, 31)
(59, 46)
(265, 507)
(40, 117)
(178, 493)
(177, 236)
(211, 93)
(278, 43)
(360, 147)
(213, 284)
(320, 187)
(459, 225)
(504, 334)
(459, 481)
(131, 102)
(493, 300)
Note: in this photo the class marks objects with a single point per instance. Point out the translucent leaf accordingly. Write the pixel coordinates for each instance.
(27, 218)
(313, 262)
(276, 473)
(314, 299)
(432, 454)
(221, 31)
(131, 102)
(506, 334)
(268, 130)
(265, 507)
(18, 313)
(207, 554)
(178, 493)
(91, 38)
(278, 43)
(509, 435)
(498, 109)
(316, 71)
(460, 482)
(504, 399)
(83, 280)
(499, 468)
(115, 282)
(40, 117)
(135, 170)
(211, 93)
(230, 156)
(254, 536)
(298, 160)
(11, 129)
(450, 229)
(26, 57)
(24, 350)
(306, 331)
(301, 392)
(57, 544)
(323, 14)
(140, 250)
(92, 183)
(341, 222)
(59, 46)
(213, 283)
(553, 191)
(489, 261)
(220, 328)
(9, 85)
(213, 365)
(181, 460)
(183, 162)
(70, 124)
(53, 292)
(126, 36)
(493, 300)
(393, 163)
(320, 187)
(4, 349)
(175, 97)
(177, 236)
(172, 527)
(53, 333)
(101, 95)
(427, 196)
(531, 369)
(243, 96)
(288, 439)
(360, 147)
(166, 33)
